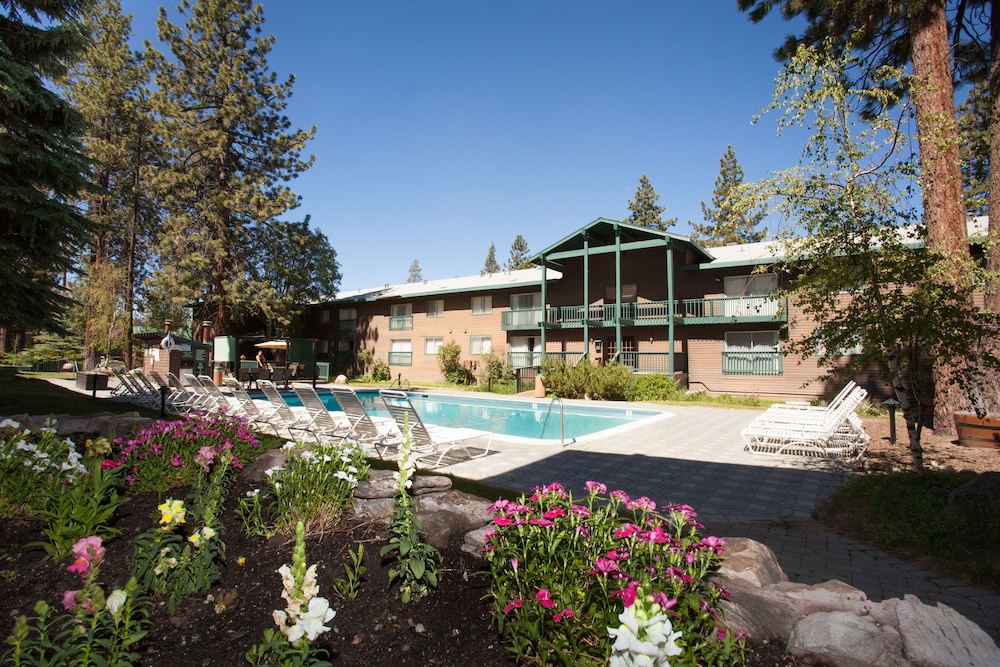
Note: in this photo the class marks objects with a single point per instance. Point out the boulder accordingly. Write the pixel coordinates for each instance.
(750, 561)
(382, 484)
(340, 379)
(977, 498)
(941, 637)
(843, 639)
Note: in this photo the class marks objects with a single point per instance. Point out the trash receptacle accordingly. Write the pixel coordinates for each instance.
(322, 371)
(539, 386)
(217, 375)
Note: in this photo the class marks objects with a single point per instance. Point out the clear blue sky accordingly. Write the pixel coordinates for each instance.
(447, 125)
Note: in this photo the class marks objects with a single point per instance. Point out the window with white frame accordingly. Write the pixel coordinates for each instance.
(400, 352)
(846, 345)
(526, 309)
(758, 284)
(480, 345)
(752, 353)
(752, 296)
(482, 305)
(433, 344)
(435, 308)
(348, 318)
(401, 317)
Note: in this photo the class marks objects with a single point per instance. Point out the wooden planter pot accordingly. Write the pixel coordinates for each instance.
(974, 431)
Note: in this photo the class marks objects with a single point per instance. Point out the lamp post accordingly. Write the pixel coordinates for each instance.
(891, 404)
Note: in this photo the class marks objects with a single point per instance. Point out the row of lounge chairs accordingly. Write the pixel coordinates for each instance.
(832, 431)
(431, 445)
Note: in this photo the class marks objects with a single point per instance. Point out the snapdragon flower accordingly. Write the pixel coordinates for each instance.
(644, 637)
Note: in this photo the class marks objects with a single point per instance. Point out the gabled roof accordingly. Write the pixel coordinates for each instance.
(600, 237)
(429, 288)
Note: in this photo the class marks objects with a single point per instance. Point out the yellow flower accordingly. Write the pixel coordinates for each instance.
(171, 513)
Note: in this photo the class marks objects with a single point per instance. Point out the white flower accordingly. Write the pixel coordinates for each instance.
(270, 471)
(288, 445)
(252, 493)
(311, 624)
(9, 423)
(115, 601)
(644, 637)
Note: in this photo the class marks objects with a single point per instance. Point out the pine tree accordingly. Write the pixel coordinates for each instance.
(42, 167)
(644, 210)
(108, 87)
(519, 255)
(974, 134)
(728, 223)
(491, 266)
(231, 151)
(415, 276)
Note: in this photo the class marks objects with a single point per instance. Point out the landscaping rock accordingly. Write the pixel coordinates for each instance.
(941, 637)
(750, 561)
(254, 471)
(381, 484)
(977, 498)
(843, 639)
(445, 516)
(340, 379)
(98, 424)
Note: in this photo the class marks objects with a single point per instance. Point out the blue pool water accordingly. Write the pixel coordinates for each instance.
(516, 418)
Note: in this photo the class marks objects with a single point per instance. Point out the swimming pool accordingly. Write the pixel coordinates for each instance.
(512, 418)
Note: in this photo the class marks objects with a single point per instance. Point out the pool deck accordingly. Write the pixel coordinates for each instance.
(695, 456)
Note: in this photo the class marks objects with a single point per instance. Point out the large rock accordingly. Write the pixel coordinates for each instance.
(382, 484)
(978, 498)
(941, 637)
(447, 516)
(751, 562)
(843, 639)
(96, 425)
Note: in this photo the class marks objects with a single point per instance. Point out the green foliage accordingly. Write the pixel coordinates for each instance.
(416, 562)
(495, 374)
(95, 629)
(34, 467)
(491, 265)
(378, 370)
(450, 363)
(221, 114)
(562, 571)
(974, 135)
(652, 387)
(79, 509)
(725, 221)
(315, 486)
(354, 572)
(414, 275)
(607, 382)
(908, 514)
(519, 254)
(43, 168)
(166, 564)
(644, 210)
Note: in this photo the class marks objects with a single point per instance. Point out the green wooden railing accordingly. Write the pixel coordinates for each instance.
(752, 363)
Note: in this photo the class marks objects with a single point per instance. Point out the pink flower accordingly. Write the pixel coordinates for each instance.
(665, 603)
(502, 521)
(596, 487)
(628, 530)
(627, 596)
(80, 566)
(89, 548)
(516, 604)
(545, 598)
(604, 566)
(714, 543)
(513, 564)
(579, 510)
(620, 496)
(544, 523)
(641, 503)
(554, 513)
(69, 600)
(177, 461)
(108, 463)
(565, 613)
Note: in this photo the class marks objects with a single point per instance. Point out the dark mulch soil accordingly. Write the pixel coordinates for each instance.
(450, 627)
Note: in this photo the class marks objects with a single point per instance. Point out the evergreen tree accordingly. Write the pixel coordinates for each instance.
(42, 167)
(491, 266)
(728, 223)
(519, 255)
(231, 151)
(415, 276)
(644, 210)
(108, 87)
(974, 133)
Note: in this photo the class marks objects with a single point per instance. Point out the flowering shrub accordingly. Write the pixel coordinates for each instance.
(567, 576)
(94, 630)
(30, 461)
(165, 562)
(171, 453)
(301, 621)
(314, 485)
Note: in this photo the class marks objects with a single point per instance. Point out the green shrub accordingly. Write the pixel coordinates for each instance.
(652, 387)
(495, 374)
(376, 370)
(450, 362)
(609, 382)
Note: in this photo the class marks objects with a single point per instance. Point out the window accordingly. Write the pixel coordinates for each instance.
(525, 311)
(348, 318)
(433, 344)
(846, 345)
(629, 293)
(482, 305)
(752, 353)
(345, 351)
(401, 317)
(752, 296)
(435, 308)
(480, 345)
(759, 284)
(400, 352)
(526, 301)
(324, 346)
(324, 316)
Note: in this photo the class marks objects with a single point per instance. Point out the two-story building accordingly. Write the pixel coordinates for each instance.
(652, 300)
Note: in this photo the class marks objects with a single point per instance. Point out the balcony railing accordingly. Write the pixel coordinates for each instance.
(345, 358)
(524, 359)
(569, 358)
(513, 320)
(646, 362)
(400, 358)
(400, 322)
(348, 325)
(733, 309)
(752, 363)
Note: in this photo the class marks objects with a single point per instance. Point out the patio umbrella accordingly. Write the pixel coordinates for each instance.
(274, 345)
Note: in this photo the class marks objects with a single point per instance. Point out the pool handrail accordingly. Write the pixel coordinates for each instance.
(562, 424)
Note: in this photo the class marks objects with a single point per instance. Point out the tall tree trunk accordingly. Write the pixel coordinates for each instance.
(944, 206)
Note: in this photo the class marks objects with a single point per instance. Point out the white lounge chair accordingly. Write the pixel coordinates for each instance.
(429, 441)
(323, 423)
(284, 416)
(361, 427)
(836, 433)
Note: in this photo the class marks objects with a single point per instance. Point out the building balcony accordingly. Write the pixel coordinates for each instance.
(520, 320)
(717, 310)
(752, 363)
(401, 323)
(726, 310)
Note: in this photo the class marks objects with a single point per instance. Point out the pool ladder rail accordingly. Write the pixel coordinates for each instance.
(562, 424)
